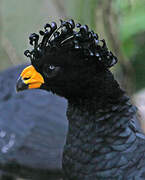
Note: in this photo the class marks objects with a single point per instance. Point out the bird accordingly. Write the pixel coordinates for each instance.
(31, 144)
(103, 142)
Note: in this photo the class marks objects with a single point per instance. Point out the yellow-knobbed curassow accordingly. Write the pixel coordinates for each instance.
(102, 142)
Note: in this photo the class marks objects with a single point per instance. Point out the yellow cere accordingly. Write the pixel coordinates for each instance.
(31, 77)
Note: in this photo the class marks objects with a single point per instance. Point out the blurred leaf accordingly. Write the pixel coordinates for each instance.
(132, 26)
(133, 23)
(129, 47)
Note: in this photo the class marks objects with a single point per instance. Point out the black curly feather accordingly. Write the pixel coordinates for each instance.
(77, 37)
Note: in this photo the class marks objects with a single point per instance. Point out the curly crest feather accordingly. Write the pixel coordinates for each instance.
(72, 37)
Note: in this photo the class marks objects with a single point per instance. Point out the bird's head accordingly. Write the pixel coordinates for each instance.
(65, 60)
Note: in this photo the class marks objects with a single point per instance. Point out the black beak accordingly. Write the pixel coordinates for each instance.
(20, 85)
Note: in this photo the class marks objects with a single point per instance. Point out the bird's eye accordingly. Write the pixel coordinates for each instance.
(51, 67)
(50, 70)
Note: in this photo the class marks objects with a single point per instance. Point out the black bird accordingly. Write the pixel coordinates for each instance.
(32, 131)
(102, 142)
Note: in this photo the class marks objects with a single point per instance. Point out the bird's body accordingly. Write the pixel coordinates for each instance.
(102, 142)
(29, 147)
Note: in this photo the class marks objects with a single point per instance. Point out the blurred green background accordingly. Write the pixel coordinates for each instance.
(120, 22)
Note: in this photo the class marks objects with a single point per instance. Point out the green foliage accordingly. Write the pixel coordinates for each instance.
(132, 23)
(132, 32)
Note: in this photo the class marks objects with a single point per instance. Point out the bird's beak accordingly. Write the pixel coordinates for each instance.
(29, 79)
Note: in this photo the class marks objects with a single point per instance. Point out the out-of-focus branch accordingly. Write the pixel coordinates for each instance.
(5, 44)
(110, 19)
(60, 7)
(11, 52)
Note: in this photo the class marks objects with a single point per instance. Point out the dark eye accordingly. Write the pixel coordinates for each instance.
(51, 67)
(50, 70)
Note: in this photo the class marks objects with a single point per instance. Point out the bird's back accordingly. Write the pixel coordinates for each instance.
(32, 129)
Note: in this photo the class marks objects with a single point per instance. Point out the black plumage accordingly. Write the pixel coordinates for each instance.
(102, 142)
(31, 143)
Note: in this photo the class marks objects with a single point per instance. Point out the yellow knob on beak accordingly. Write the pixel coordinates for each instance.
(29, 79)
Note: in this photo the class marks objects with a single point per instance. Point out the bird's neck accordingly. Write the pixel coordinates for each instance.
(101, 119)
(97, 134)
(105, 106)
